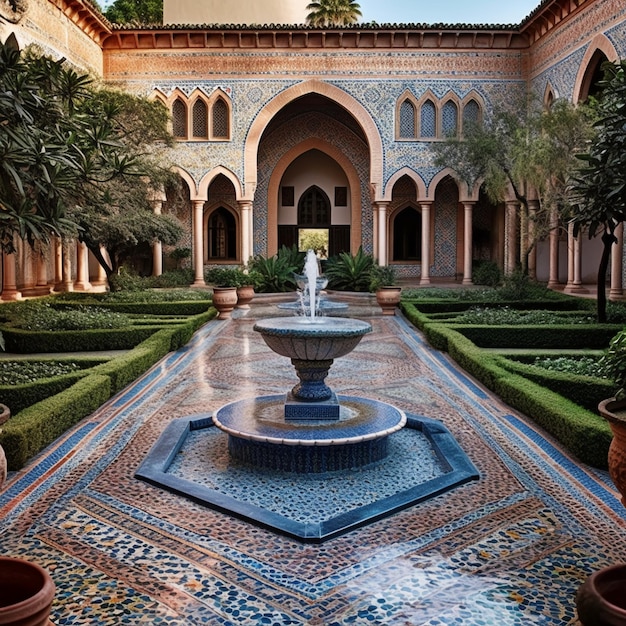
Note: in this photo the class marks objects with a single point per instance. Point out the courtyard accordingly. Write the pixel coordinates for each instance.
(511, 547)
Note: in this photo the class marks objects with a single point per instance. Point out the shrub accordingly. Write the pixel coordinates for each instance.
(350, 273)
(486, 273)
(381, 276)
(276, 274)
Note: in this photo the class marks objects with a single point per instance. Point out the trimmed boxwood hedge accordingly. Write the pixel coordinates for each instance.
(32, 429)
(35, 427)
(457, 306)
(184, 307)
(32, 341)
(580, 430)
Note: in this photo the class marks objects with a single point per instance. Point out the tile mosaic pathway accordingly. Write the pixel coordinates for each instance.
(509, 549)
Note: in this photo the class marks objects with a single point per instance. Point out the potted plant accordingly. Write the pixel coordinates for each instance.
(614, 410)
(383, 284)
(26, 592)
(246, 283)
(225, 281)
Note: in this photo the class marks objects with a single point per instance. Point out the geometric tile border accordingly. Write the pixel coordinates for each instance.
(457, 469)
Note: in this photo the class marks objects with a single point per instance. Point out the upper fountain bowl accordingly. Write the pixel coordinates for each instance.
(322, 339)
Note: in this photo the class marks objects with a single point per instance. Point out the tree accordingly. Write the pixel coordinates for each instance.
(333, 12)
(598, 191)
(77, 160)
(523, 148)
(135, 12)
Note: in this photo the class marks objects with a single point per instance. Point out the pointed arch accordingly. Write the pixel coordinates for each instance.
(209, 177)
(189, 180)
(406, 117)
(599, 48)
(413, 175)
(549, 96)
(464, 192)
(472, 110)
(428, 116)
(449, 116)
(338, 96)
(285, 161)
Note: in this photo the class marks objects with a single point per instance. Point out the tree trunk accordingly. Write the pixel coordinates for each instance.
(608, 239)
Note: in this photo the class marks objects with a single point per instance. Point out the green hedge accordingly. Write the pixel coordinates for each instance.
(184, 307)
(18, 397)
(592, 336)
(457, 306)
(35, 427)
(585, 391)
(30, 341)
(580, 430)
(32, 429)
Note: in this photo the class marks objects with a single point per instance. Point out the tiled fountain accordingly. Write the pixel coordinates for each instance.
(310, 431)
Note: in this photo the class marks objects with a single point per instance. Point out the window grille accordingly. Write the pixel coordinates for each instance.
(471, 113)
(428, 119)
(449, 116)
(200, 117)
(407, 120)
(220, 119)
(179, 119)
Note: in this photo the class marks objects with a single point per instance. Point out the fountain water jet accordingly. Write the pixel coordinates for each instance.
(313, 431)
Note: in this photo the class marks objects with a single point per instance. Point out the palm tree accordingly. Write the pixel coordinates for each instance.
(333, 12)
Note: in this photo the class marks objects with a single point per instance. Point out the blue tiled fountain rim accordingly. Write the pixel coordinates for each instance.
(458, 470)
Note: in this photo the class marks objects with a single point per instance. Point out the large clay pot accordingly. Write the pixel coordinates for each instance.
(26, 593)
(388, 299)
(224, 300)
(5, 414)
(614, 411)
(601, 599)
(245, 294)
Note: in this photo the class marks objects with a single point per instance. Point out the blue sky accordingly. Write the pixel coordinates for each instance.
(447, 11)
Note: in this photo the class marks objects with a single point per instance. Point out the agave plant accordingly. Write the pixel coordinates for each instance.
(349, 273)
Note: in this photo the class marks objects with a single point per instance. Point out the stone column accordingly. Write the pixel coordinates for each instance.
(617, 254)
(198, 252)
(67, 284)
(100, 279)
(510, 237)
(157, 246)
(58, 263)
(553, 280)
(467, 242)
(82, 267)
(574, 283)
(381, 247)
(426, 252)
(245, 208)
(9, 279)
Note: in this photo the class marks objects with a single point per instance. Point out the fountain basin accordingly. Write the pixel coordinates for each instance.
(261, 436)
(317, 339)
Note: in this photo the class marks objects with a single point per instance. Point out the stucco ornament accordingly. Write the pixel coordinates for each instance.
(13, 10)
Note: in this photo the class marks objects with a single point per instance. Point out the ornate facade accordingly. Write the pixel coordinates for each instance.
(282, 129)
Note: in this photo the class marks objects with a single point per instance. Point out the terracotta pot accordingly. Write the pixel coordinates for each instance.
(5, 414)
(601, 599)
(245, 295)
(388, 299)
(26, 593)
(614, 411)
(224, 300)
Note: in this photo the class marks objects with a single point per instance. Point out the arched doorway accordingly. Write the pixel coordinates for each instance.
(222, 236)
(407, 235)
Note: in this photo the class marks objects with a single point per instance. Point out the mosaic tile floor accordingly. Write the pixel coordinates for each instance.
(509, 549)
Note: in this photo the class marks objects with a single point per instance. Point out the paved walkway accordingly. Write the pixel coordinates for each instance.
(509, 549)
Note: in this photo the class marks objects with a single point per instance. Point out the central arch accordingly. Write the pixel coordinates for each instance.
(336, 95)
(279, 171)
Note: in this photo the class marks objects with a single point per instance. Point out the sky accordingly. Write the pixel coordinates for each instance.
(440, 11)
(446, 11)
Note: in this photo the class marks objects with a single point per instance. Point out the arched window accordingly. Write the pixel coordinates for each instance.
(222, 233)
(314, 208)
(179, 119)
(407, 235)
(220, 122)
(428, 120)
(449, 119)
(471, 113)
(200, 119)
(593, 75)
(407, 124)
